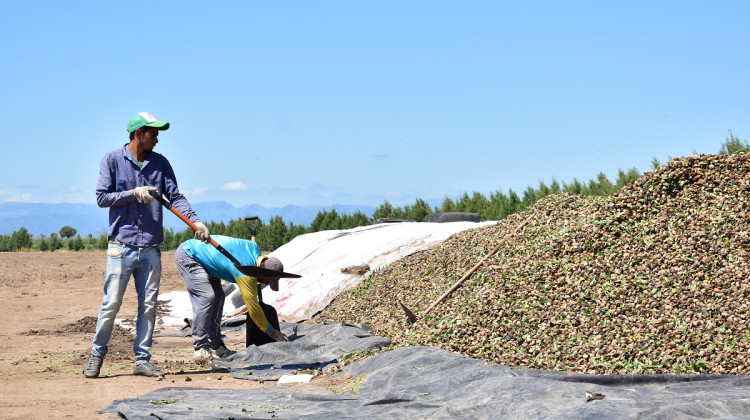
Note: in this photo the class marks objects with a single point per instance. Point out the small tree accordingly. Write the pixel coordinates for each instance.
(446, 206)
(293, 231)
(75, 244)
(354, 220)
(102, 243)
(67, 232)
(273, 234)
(498, 205)
(602, 186)
(732, 145)
(331, 221)
(217, 228)
(54, 242)
(386, 210)
(91, 241)
(419, 212)
(168, 242)
(4, 243)
(625, 178)
(20, 239)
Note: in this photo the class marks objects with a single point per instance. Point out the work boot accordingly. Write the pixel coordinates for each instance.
(202, 356)
(221, 352)
(93, 366)
(147, 369)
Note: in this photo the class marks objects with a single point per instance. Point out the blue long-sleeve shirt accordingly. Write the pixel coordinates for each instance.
(131, 221)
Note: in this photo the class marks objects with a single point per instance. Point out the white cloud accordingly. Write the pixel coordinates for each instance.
(234, 186)
(14, 194)
(20, 197)
(195, 191)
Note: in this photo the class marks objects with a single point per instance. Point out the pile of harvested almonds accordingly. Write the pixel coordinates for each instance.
(653, 279)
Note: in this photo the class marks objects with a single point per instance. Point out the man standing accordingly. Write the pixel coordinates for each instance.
(127, 176)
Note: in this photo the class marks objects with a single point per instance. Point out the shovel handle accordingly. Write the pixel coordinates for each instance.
(193, 226)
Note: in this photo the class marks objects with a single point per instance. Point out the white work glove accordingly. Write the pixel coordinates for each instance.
(278, 335)
(143, 193)
(202, 233)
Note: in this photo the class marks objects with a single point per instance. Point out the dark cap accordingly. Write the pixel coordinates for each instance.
(273, 263)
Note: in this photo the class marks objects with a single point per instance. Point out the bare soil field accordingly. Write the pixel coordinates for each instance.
(50, 303)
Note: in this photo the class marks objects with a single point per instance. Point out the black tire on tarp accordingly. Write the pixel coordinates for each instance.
(392, 220)
(229, 288)
(236, 299)
(455, 216)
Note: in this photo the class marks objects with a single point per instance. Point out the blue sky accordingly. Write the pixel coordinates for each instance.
(353, 102)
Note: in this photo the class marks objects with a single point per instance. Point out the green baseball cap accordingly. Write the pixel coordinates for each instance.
(144, 119)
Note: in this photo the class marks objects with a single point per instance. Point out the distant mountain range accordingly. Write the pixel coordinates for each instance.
(42, 218)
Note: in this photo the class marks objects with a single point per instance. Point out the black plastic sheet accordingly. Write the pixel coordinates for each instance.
(426, 382)
(311, 346)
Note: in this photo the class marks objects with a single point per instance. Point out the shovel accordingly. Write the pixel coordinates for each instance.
(253, 223)
(410, 314)
(248, 270)
(253, 334)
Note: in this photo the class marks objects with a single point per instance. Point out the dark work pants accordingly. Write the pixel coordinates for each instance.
(207, 299)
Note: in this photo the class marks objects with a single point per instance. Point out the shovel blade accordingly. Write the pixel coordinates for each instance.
(409, 314)
(253, 271)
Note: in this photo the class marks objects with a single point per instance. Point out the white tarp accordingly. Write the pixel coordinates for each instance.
(320, 257)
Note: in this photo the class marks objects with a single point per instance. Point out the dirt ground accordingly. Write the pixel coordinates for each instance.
(50, 303)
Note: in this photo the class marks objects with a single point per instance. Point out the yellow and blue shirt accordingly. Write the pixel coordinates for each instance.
(218, 265)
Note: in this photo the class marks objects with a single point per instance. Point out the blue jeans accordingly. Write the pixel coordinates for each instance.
(206, 298)
(144, 264)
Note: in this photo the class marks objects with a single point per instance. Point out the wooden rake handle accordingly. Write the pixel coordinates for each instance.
(477, 265)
